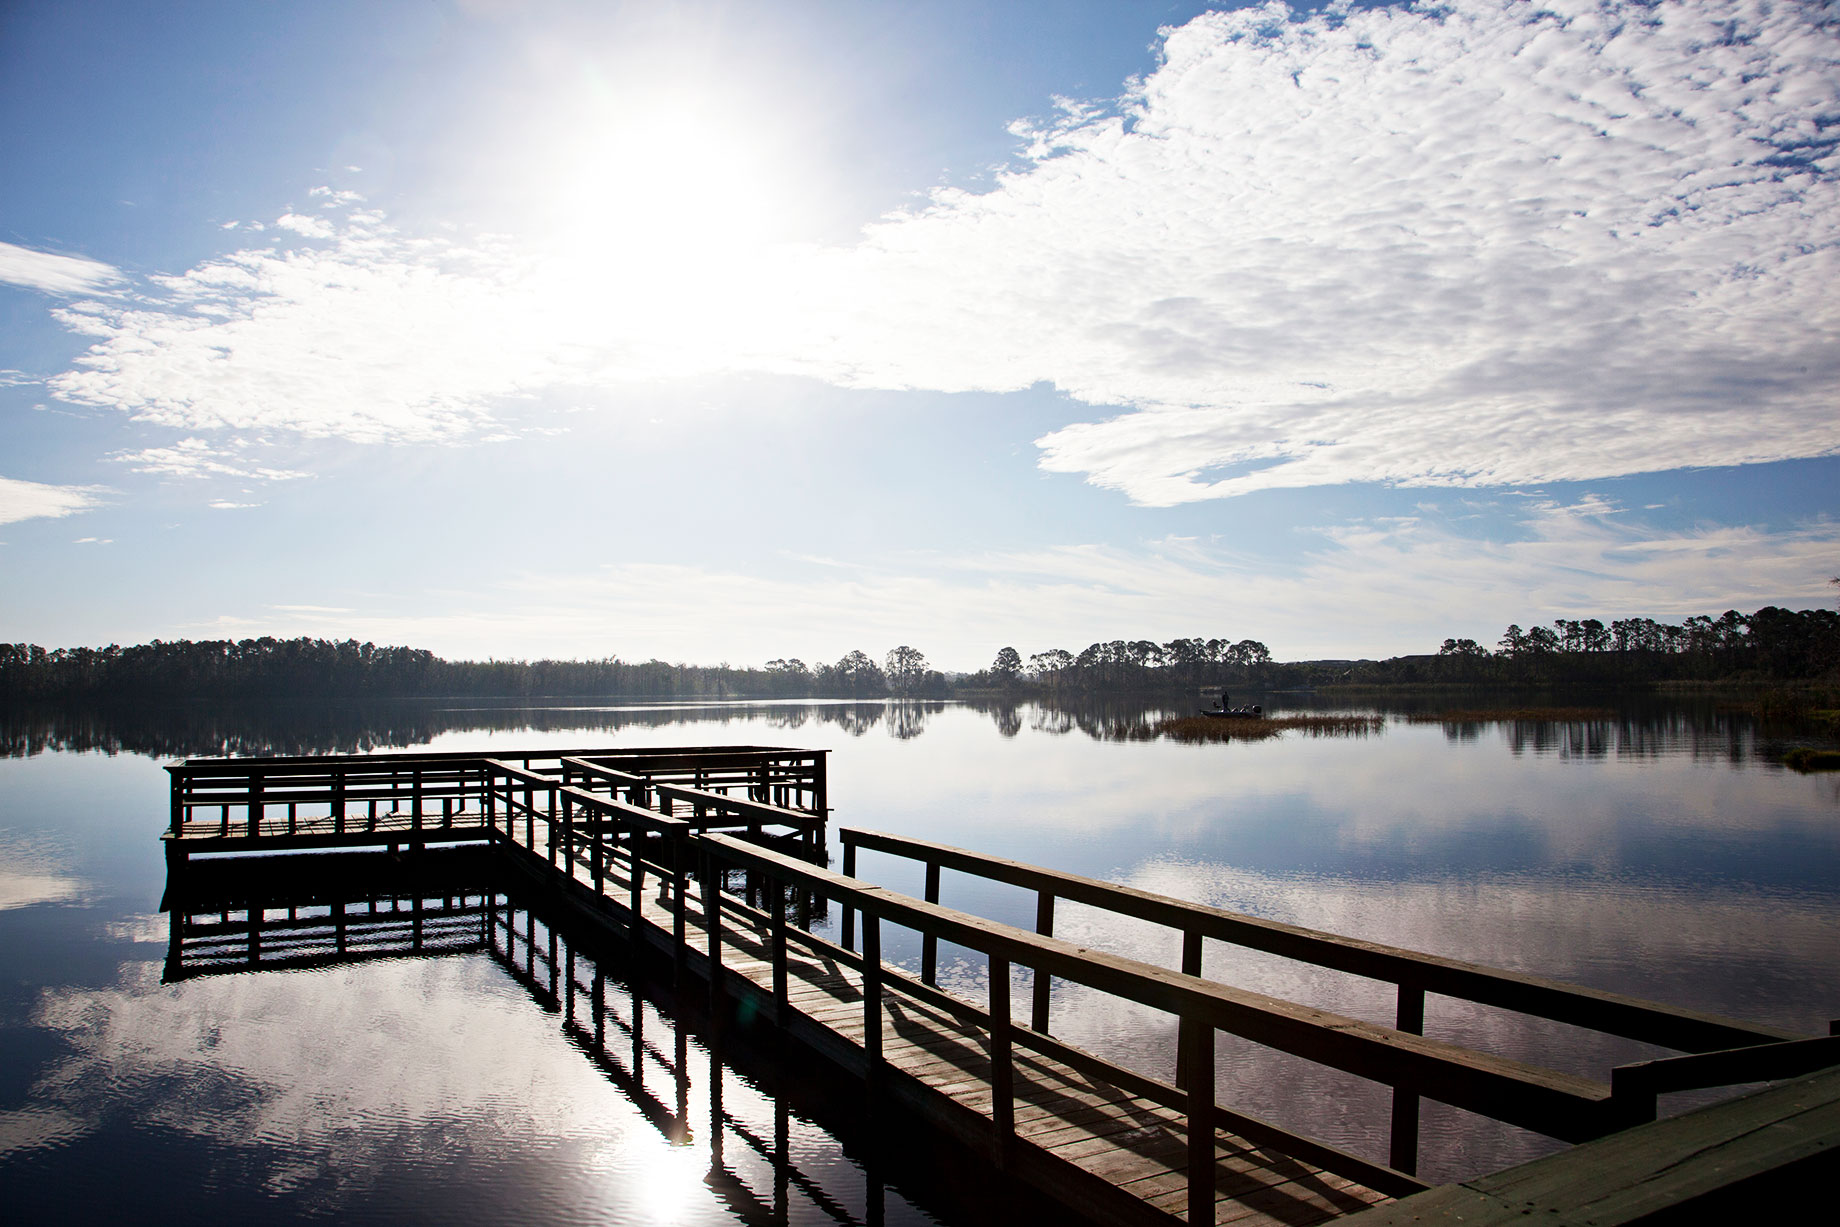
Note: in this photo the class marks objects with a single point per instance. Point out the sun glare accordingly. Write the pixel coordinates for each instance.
(655, 220)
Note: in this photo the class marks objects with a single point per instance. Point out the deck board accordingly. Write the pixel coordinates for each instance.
(1067, 1116)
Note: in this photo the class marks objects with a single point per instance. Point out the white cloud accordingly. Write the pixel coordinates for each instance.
(54, 274)
(375, 338)
(311, 227)
(1481, 243)
(28, 500)
(196, 457)
(1478, 243)
(32, 874)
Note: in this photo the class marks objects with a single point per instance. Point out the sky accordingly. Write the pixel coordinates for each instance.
(728, 331)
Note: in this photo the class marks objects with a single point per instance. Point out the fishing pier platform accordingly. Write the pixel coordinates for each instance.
(714, 861)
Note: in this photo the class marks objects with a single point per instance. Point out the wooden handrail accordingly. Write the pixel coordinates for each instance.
(1559, 1105)
(1611, 1013)
(1755, 1063)
(759, 811)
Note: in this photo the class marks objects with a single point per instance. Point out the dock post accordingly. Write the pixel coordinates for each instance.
(712, 925)
(1403, 1145)
(872, 1003)
(781, 1003)
(680, 876)
(1198, 1046)
(1191, 966)
(849, 913)
(635, 873)
(929, 942)
(1043, 982)
(1002, 1065)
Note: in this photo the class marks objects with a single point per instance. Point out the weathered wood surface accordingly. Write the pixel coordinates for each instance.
(1096, 1138)
(641, 851)
(1756, 1156)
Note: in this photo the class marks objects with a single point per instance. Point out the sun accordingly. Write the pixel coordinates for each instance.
(678, 172)
(655, 219)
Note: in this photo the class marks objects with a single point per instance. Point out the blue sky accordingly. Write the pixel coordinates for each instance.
(728, 331)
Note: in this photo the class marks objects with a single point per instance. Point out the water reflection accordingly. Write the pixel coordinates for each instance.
(1655, 854)
(748, 1133)
(1642, 726)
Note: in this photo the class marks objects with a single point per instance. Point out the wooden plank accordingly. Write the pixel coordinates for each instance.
(1719, 1162)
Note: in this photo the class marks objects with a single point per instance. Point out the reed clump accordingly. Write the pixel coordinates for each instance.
(1204, 728)
(1807, 758)
(1482, 715)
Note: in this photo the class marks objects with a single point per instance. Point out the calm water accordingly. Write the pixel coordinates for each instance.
(1657, 854)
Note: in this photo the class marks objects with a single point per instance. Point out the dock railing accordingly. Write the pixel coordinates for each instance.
(425, 795)
(1559, 1105)
(1728, 1052)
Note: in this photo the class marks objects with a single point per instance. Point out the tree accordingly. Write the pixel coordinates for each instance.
(906, 668)
(1248, 653)
(1048, 668)
(1513, 642)
(856, 675)
(1007, 666)
(1461, 647)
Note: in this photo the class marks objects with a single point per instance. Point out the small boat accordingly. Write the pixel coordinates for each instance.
(1255, 712)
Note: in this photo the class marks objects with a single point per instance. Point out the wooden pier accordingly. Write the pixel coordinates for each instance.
(715, 858)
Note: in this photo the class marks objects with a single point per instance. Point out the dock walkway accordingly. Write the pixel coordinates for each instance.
(716, 858)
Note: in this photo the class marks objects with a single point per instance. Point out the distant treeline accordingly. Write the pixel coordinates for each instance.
(1772, 643)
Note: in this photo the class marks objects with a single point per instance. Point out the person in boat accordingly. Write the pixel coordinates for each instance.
(1223, 700)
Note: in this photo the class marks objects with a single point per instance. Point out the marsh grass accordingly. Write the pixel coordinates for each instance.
(1807, 758)
(1480, 715)
(1203, 728)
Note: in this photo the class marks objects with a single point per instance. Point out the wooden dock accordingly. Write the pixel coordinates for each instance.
(716, 859)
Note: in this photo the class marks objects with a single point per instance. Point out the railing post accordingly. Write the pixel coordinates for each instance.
(680, 874)
(781, 1003)
(1002, 1065)
(929, 942)
(1191, 966)
(568, 813)
(1044, 925)
(1198, 1047)
(635, 877)
(1403, 1149)
(415, 799)
(597, 854)
(849, 913)
(1632, 1102)
(872, 1002)
(255, 803)
(712, 925)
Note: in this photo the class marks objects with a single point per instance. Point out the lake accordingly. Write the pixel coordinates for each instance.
(1659, 852)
